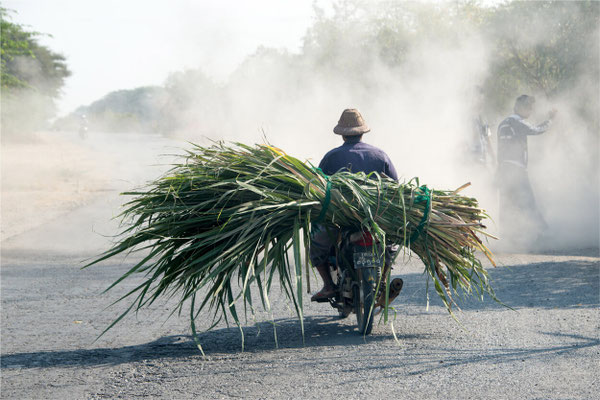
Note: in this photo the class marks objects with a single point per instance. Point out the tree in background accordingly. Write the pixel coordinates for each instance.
(545, 47)
(132, 110)
(31, 78)
(549, 49)
(189, 97)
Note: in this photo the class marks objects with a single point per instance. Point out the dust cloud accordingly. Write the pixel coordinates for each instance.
(420, 112)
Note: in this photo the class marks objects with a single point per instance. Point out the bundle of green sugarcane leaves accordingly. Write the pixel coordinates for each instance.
(226, 219)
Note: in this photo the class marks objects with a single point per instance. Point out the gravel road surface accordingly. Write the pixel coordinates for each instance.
(53, 312)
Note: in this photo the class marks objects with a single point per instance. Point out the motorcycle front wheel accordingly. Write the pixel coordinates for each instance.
(364, 299)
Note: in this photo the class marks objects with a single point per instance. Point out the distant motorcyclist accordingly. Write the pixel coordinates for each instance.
(83, 126)
(354, 156)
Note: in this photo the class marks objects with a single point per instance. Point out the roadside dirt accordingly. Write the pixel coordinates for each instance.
(45, 177)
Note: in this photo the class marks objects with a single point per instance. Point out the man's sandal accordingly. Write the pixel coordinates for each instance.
(323, 296)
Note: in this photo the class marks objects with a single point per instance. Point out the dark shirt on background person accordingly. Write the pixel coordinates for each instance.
(512, 139)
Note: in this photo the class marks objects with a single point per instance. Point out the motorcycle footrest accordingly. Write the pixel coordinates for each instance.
(322, 300)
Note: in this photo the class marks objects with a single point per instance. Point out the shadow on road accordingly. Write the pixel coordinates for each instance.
(570, 284)
(319, 332)
(425, 362)
(547, 285)
(452, 357)
(182, 347)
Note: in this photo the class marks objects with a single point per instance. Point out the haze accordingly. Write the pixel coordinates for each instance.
(284, 71)
(107, 41)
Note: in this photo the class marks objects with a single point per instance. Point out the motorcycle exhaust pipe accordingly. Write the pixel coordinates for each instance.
(395, 288)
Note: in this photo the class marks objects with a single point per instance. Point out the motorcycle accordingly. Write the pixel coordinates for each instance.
(83, 130)
(357, 266)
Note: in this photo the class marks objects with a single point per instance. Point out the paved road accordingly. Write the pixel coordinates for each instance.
(52, 312)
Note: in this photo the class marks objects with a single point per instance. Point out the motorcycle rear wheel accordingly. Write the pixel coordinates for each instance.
(364, 299)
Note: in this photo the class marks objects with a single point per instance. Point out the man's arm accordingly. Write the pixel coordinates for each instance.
(524, 128)
(390, 170)
(323, 165)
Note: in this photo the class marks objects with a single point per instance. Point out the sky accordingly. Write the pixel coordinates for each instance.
(111, 45)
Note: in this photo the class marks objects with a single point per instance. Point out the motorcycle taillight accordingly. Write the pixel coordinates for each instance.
(361, 239)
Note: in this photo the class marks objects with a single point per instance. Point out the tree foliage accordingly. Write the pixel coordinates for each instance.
(542, 47)
(143, 109)
(32, 76)
(539, 46)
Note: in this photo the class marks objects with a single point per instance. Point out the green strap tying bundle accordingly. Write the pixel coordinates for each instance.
(426, 196)
(327, 199)
(419, 199)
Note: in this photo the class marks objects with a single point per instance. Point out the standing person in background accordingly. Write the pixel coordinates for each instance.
(520, 219)
(480, 145)
(353, 156)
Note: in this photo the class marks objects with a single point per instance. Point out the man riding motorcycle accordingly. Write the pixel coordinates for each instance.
(354, 156)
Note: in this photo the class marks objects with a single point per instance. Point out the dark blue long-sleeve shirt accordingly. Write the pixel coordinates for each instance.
(356, 156)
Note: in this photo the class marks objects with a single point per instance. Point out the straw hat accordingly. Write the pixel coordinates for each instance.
(351, 123)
